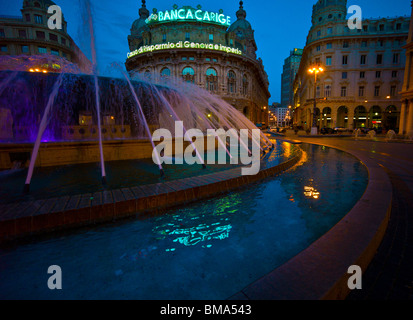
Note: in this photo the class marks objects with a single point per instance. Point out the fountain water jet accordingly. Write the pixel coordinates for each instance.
(42, 128)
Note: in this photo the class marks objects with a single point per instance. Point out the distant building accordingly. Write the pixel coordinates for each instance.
(290, 69)
(280, 114)
(205, 48)
(29, 35)
(406, 115)
(363, 70)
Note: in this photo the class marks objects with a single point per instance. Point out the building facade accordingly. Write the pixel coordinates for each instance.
(204, 48)
(406, 115)
(363, 71)
(29, 35)
(290, 69)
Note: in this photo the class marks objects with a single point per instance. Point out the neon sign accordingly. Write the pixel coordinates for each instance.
(184, 45)
(189, 14)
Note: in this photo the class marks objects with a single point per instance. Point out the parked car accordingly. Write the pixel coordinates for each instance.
(340, 129)
(326, 130)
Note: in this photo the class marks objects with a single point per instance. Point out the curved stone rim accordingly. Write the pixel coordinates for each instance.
(321, 270)
(30, 218)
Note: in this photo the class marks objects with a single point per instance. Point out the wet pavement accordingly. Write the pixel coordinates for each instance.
(389, 275)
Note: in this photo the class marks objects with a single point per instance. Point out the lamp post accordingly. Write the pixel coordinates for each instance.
(315, 71)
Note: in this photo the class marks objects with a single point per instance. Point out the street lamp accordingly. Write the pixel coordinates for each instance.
(315, 71)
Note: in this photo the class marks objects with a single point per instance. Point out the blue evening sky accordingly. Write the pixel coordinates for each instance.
(279, 26)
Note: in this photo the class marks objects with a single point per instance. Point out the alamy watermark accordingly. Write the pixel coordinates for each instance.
(243, 147)
(355, 21)
(55, 20)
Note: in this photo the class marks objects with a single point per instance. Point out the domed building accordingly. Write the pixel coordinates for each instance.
(204, 48)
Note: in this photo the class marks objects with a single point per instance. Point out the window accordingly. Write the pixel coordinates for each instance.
(394, 74)
(363, 59)
(362, 74)
(165, 72)
(211, 80)
(345, 44)
(208, 59)
(328, 61)
(53, 37)
(398, 26)
(187, 36)
(3, 48)
(345, 60)
(361, 91)
(317, 61)
(191, 59)
(184, 58)
(378, 74)
(376, 91)
(38, 19)
(318, 92)
(395, 58)
(64, 41)
(329, 45)
(164, 37)
(318, 48)
(379, 59)
(327, 91)
(188, 70)
(392, 91)
(318, 33)
(329, 30)
(381, 27)
(25, 49)
(37, 5)
(22, 34)
(54, 52)
(380, 43)
(232, 82)
(244, 85)
(343, 91)
(231, 42)
(27, 17)
(2, 34)
(42, 50)
(364, 28)
(344, 75)
(211, 37)
(364, 44)
(211, 72)
(40, 35)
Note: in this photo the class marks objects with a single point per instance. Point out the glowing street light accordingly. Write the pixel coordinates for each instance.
(315, 70)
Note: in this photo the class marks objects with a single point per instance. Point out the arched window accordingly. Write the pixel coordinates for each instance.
(232, 82)
(165, 72)
(211, 72)
(211, 80)
(188, 75)
(244, 85)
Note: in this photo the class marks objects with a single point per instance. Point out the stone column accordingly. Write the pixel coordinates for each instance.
(334, 113)
(403, 113)
(350, 118)
(409, 128)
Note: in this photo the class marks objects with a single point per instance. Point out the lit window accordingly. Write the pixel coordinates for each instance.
(42, 50)
(165, 72)
(38, 19)
(54, 52)
(25, 49)
(211, 37)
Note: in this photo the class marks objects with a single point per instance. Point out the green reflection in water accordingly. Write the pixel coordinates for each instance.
(184, 228)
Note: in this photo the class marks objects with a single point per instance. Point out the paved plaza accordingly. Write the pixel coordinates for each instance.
(389, 275)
